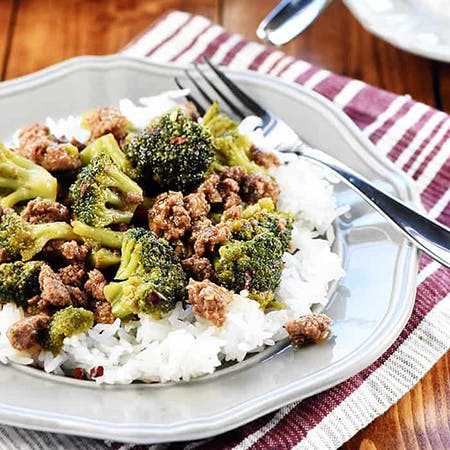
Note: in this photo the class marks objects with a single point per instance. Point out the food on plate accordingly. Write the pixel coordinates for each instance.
(143, 242)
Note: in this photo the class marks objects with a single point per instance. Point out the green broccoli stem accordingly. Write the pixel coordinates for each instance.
(25, 179)
(123, 302)
(101, 236)
(130, 259)
(44, 232)
(104, 258)
(106, 144)
(121, 181)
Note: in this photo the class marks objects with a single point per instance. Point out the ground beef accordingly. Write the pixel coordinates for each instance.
(236, 173)
(233, 213)
(258, 185)
(4, 256)
(24, 334)
(95, 284)
(263, 158)
(209, 300)
(207, 237)
(94, 287)
(103, 313)
(198, 268)
(70, 251)
(209, 188)
(42, 210)
(196, 205)
(168, 217)
(308, 328)
(53, 290)
(73, 274)
(106, 120)
(79, 298)
(37, 144)
(229, 188)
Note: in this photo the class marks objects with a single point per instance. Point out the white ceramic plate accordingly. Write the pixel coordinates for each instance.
(370, 306)
(417, 26)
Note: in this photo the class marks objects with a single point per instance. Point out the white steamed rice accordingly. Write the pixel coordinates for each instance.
(183, 346)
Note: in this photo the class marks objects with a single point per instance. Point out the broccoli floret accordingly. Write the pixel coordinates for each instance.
(174, 153)
(150, 278)
(103, 195)
(107, 144)
(98, 237)
(66, 322)
(22, 240)
(21, 179)
(232, 148)
(254, 265)
(19, 281)
(267, 219)
(252, 260)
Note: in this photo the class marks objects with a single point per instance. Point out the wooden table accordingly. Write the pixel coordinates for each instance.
(37, 33)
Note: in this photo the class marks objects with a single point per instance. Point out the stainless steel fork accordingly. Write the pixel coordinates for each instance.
(427, 234)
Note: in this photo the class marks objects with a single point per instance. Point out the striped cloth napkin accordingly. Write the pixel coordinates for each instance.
(412, 135)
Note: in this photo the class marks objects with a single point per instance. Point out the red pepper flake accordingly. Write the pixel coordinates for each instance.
(96, 371)
(248, 277)
(78, 373)
(155, 298)
(178, 140)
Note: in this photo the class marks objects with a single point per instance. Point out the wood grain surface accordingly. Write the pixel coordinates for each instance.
(37, 33)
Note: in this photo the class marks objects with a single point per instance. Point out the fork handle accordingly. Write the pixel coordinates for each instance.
(427, 234)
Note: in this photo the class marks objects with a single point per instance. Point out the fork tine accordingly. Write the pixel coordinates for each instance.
(189, 97)
(199, 88)
(254, 107)
(236, 110)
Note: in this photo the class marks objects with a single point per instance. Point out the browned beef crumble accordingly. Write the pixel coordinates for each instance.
(94, 287)
(308, 328)
(70, 251)
(257, 186)
(73, 274)
(37, 144)
(168, 217)
(209, 300)
(42, 210)
(198, 268)
(106, 120)
(24, 334)
(95, 284)
(78, 297)
(209, 188)
(263, 158)
(196, 205)
(53, 290)
(236, 173)
(208, 236)
(4, 256)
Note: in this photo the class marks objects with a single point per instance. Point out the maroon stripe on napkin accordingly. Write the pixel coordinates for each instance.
(214, 45)
(431, 155)
(192, 43)
(424, 143)
(367, 105)
(171, 36)
(256, 63)
(390, 122)
(232, 52)
(331, 86)
(306, 75)
(409, 135)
